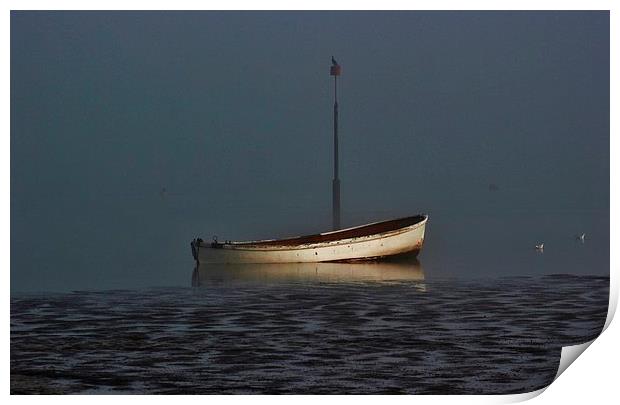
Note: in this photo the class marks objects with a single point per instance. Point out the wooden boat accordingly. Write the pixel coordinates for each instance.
(366, 242)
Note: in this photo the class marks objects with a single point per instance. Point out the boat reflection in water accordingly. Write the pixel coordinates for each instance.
(263, 273)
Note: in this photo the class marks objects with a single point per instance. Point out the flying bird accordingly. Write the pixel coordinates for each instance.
(582, 237)
(540, 247)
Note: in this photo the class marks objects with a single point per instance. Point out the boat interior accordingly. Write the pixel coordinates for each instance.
(359, 231)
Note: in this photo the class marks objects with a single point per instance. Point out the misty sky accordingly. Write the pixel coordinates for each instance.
(231, 113)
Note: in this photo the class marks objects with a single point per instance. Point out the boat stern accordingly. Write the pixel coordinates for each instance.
(195, 246)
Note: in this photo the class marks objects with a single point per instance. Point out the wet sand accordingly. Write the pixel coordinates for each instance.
(225, 336)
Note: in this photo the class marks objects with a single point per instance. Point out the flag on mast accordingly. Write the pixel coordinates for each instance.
(335, 68)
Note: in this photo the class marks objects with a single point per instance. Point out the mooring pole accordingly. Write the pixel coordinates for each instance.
(335, 71)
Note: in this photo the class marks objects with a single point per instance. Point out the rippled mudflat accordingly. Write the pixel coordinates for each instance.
(303, 332)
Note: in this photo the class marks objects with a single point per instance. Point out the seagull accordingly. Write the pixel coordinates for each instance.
(582, 237)
(540, 247)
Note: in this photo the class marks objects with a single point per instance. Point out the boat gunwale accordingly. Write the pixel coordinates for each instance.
(273, 245)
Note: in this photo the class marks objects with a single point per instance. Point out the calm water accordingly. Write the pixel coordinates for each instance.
(326, 328)
(481, 312)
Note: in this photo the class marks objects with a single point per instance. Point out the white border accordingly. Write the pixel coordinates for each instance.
(594, 375)
(312, 5)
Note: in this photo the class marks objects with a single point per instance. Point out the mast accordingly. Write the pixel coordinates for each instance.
(335, 71)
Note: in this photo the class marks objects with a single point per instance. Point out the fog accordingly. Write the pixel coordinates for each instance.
(133, 132)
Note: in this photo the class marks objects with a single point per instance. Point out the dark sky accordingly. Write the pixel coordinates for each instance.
(231, 113)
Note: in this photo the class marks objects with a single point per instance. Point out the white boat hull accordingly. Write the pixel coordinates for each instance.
(408, 239)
